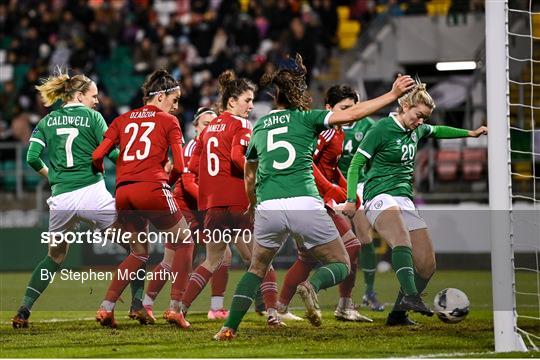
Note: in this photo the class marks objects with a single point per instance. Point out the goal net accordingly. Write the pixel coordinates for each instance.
(513, 108)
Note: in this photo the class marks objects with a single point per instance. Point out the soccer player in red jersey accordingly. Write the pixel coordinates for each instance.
(332, 186)
(143, 193)
(219, 159)
(186, 194)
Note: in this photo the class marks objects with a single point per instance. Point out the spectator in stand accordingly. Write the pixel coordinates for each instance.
(416, 7)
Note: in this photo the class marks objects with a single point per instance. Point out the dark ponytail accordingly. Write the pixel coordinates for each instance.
(160, 81)
(290, 86)
(232, 87)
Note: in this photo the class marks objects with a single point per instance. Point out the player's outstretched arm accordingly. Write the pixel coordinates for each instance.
(103, 149)
(362, 109)
(33, 159)
(357, 163)
(482, 130)
(448, 132)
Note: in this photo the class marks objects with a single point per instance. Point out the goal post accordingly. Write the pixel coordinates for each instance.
(503, 282)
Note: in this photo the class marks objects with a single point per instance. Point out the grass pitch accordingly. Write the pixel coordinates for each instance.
(63, 326)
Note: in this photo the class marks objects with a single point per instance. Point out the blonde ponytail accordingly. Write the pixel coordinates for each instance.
(62, 87)
(418, 95)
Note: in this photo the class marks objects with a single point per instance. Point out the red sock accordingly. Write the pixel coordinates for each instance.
(347, 285)
(196, 284)
(297, 273)
(156, 284)
(219, 280)
(269, 289)
(131, 264)
(183, 257)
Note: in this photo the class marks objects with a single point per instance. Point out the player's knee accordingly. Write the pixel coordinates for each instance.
(258, 268)
(58, 254)
(364, 238)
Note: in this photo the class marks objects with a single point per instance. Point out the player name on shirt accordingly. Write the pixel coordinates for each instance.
(69, 120)
(216, 127)
(277, 119)
(142, 114)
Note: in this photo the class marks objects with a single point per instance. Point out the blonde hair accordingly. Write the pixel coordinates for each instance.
(418, 95)
(62, 87)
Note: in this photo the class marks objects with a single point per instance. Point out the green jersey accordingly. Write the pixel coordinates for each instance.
(391, 150)
(353, 136)
(71, 134)
(283, 143)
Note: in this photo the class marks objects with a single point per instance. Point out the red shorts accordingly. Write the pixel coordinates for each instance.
(140, 202)
(227, 217)
(194, 218)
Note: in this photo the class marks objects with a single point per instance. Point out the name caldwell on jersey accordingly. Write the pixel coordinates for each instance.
(92, 275)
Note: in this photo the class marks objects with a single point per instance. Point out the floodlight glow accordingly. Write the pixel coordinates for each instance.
(456, 65)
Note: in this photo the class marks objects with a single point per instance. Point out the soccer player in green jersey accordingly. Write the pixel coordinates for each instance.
(390, 149)
(285, 200)
(70, 133)
(354, 133)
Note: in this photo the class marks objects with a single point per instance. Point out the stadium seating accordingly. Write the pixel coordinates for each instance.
(447, 164)
(474, 161)
(348, 30)
(438, 7)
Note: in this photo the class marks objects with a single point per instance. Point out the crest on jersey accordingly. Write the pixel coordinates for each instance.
(398, 141)
(378, 204)
(414, 137)
(359, 136)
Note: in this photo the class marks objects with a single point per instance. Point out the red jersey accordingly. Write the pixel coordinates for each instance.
(144, 136)
(328, 152)
(220, 157)
(184, 199)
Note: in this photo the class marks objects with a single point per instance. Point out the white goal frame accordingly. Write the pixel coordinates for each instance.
(502, 257)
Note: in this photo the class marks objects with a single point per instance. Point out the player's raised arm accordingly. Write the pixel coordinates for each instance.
(362, 109)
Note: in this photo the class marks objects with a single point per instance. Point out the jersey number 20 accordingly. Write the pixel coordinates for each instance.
(144, 138)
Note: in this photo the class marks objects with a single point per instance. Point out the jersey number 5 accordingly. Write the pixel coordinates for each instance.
(144, 138)
(273, 145)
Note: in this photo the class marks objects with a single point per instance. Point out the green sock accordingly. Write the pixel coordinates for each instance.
(242, 299)
(259, 301)
(368, 261)
(137, 286)
(328, 275)
(37, 285)
(420, 283)
(402, 263)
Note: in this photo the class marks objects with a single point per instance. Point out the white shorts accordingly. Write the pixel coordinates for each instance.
(92, 204)
(410, 214)
(304, 218)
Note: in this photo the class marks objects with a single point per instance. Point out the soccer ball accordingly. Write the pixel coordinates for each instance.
(451, 305)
